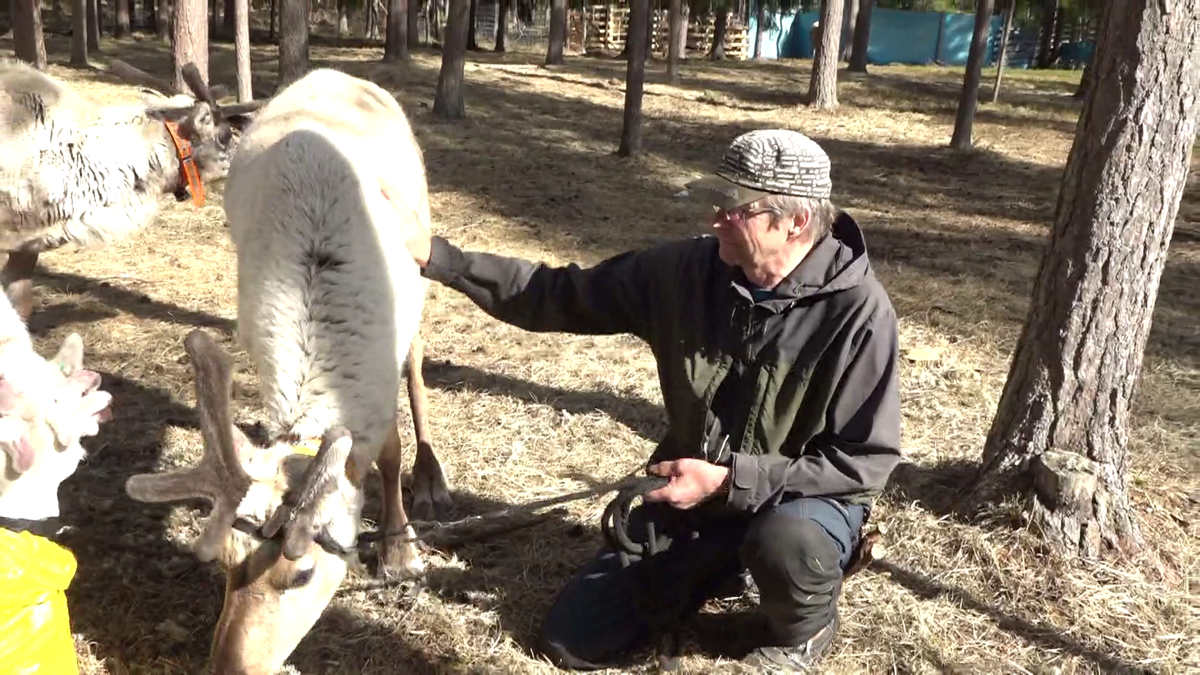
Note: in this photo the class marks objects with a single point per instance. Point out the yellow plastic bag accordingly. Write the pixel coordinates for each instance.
(35, 631)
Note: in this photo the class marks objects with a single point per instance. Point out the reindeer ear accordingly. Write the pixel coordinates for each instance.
(69, 358)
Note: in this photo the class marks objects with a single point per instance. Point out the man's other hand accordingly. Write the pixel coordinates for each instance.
(691, 482)
(416, 237)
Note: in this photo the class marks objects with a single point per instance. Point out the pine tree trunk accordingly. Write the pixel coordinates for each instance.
(862, 38)
(760, 17)
(93, 27)
(472, 22)
(396, 47)
(79, 50)
(558, 32)
(717, 52)
(1002, 59)
(501, 25)
(29, 39)
(674, 48)
(1046, 47)
(241, 49)
(274, 20)
(849, 21)
(190, 40)
(414, 24)
(162, 25)
(969, 98)
(635, 77)
(1061, 429)
(343, 29)
(229, 20)
(293, 41)
(121, 29)
(822, 85)
(448, 99)
(1085, 80)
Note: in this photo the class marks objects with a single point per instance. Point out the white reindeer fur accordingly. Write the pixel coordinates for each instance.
(75, 172)
(303, 187)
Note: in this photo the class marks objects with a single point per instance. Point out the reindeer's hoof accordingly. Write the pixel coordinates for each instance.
(432, 505)
(401, 559)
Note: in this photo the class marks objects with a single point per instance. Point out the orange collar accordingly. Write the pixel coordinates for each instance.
(187, 164)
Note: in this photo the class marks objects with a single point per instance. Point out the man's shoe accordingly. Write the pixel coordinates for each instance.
(794, 659)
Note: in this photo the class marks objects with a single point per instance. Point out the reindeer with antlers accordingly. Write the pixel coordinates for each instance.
(329, 304)
(75, 172)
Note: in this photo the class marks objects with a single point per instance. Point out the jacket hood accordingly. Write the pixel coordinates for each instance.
(837, 263)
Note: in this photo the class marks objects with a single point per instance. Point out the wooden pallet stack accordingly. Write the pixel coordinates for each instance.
(607, 26)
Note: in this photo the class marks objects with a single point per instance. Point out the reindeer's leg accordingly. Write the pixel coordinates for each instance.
(398, 554)
(431, 497)
(18, 281)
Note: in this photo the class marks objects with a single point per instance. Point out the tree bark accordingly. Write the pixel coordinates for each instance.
(760, 17)
(635, 77)
(717, 51)
(448, 99)
(79, 50)
(558, 32)
(121, 29)
(293, 41)
(229, 20)
(501, 25)
(162, 24)
(674, 47)
(1046, 46)
(414, 24)
(93, 25)
(1085, 80)
(396, 47)
(472, 22)
(862, 38)
(1060, 433)
(241, 49)
(189, 40)
(274, 20)
(1003, 58)
(28, 37)
(969, 98)
(822, 84)
(849, 23)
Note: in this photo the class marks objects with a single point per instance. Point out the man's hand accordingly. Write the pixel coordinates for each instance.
(692, 482)
(416, 237)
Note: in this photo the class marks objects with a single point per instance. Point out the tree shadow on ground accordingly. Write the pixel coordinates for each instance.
(647, 419)
(1049, 639)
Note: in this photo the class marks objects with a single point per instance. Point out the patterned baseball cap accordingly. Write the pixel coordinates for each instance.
(763, 162)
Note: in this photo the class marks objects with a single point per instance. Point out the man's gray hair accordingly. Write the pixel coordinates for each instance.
(823, 211)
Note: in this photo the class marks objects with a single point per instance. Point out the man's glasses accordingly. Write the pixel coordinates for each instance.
(737, 216)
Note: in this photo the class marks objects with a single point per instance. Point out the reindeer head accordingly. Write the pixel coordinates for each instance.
(210, 129)
(282, 524)
(46, 408)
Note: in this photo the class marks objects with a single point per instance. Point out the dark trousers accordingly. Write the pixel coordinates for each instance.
(794, 551)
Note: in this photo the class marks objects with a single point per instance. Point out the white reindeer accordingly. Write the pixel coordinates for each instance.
(75, 172)
(46, 407)
(329, 303)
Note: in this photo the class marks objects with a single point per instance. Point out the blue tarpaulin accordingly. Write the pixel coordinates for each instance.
(897, 36)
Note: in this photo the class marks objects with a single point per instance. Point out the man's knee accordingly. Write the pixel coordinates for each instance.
(797, 550)
(796, 565)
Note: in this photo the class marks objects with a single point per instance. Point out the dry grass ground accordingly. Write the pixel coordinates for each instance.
(518, 416)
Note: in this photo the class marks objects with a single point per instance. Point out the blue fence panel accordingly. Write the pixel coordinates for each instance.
(897, 36)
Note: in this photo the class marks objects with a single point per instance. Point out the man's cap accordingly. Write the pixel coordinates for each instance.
(763, 162)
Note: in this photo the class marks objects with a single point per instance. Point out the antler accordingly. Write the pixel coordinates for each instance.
(219, 477)
(297, 515)
(191, 75)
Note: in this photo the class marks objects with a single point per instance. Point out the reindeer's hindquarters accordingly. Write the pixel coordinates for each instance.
(328, 298)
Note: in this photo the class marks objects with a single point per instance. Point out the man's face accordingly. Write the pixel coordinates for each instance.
(749, 234)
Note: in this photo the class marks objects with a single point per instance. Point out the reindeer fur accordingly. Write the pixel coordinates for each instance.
(329, 300)
(75, 172)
